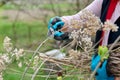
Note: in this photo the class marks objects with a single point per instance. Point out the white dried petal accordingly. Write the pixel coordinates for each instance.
(110, 26)
(18, 53)
(21, 52)
(7, 39)
(6, 58)
(20, 64)
(8, 46)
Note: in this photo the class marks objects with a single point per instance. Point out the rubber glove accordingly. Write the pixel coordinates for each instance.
(54, 25)
(101, 73)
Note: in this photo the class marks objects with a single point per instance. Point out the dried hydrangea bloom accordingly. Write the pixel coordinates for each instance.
(5, 58)
(8, 46)
(21, 52)
(81, 38)
(110, 26)
(76, 24)
(87, 20)
(10, 55)
(18, 53)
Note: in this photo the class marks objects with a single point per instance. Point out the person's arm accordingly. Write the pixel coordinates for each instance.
(94, 7)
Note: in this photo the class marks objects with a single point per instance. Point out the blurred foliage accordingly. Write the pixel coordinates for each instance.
(24, 38)
(8, 7)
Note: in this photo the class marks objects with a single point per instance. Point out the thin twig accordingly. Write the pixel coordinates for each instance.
(95, 45)
(35, 73)
(66, 45)
(48, 75)
(36, 51)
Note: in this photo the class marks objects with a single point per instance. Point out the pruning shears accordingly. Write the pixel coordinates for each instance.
(102, 51)
(51, 32)
(55, 24)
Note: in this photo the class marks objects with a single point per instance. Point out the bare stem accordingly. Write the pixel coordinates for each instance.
(94, 72)
(35, 73)
(36, 51)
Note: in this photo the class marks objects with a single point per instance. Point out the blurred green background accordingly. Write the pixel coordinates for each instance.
(25, 22)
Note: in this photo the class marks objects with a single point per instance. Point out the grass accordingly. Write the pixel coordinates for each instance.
(47, 6)
(64, 8)
(8, 7)
(61, 5)
(15, 73)
(25, 35)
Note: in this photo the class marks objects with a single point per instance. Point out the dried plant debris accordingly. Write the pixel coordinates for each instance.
(114, 64)
(86, 27)
(108, 25)
(81, 39)
(81, 59)
(114, 61)
(87, 20)
(10, 55)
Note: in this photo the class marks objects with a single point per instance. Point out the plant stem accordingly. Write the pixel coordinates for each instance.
(33, 57)
(35, 73)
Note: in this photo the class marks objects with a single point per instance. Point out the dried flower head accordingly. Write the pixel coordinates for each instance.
(87, 20)
(5, 58)
(8, 46)
(82, 39)
(18, 53)
(110, 26)
(10, 55)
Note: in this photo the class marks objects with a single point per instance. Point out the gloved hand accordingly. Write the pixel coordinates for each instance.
(101, 73)
(54, 25)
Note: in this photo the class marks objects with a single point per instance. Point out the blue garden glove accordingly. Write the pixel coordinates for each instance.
(54, 25)
(101, 73)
